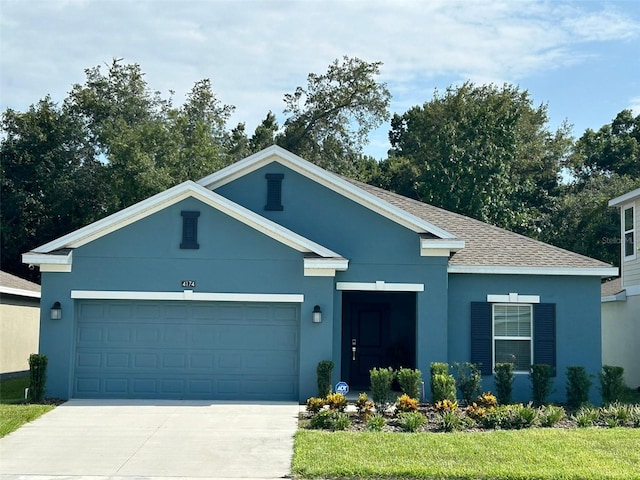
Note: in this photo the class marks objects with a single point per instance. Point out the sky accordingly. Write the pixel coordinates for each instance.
(581, 58)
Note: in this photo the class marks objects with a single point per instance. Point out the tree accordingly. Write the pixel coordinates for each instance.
(614, 148)
(483, 151)
(330, 119)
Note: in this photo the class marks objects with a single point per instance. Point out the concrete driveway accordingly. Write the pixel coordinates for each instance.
(121, 439)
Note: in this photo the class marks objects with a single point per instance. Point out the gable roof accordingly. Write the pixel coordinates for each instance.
(333, 182)
(12, 285)
(57, 254)
(490, 249)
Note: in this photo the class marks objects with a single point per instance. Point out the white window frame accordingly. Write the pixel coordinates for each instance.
(632, 231)
(494, 337)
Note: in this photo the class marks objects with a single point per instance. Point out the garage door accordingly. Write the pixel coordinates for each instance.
(190, 350)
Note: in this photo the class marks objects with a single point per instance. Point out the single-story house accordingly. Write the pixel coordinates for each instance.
(621, 296)
(19, 324)
(236, 286)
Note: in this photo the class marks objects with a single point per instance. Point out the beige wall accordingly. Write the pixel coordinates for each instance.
(19, 334)
(621, 337)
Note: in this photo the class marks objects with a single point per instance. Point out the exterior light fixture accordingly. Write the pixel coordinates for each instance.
(56, 311)
(316, 316)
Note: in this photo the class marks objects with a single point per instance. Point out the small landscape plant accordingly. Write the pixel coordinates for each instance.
(617, 414)
(487, 399)
(406, 404)
(381, 381)
(364, 406)
(324, 370)
(612, 384)
(450, 421)
(315, 404)
(578, 385)
(376, 423)
(410, 381)
(550, 415)
(586, 416)
(411, 421)
(336, 401)
(37, 377)
(468, 380)
(330, 420)
(443, 385)
(541, 383)
(446, 405)
(504, 377)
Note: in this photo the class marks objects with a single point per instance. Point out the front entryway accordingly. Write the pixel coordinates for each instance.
(378, 330)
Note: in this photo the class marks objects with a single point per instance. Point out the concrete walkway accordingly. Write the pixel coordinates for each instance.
(125, 439)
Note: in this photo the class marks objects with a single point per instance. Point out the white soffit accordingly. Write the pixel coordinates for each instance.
(513, 298)
(325, 178)
(380, 286)
(188, 295)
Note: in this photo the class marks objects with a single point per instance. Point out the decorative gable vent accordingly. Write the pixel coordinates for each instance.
(274, 191)
(189, 230)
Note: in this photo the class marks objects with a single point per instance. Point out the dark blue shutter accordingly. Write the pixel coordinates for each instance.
(481, 336)
(544, 334)
(190, 230)
(274, 191)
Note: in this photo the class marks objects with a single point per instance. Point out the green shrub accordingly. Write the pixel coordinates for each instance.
(37, 377)
(504, 377)
(550, 415)
(315, 404)
(364, 406)
(586, 416)
(330, 420)
(617, 414)
(410, 381)
(406, 404)
(324, 371)
(541, 383)
(450, 421)
(381, 381)
(468, 380)
(514, 416)
(411, 421)
(487, 400)
(612, 386)
(376, 423)
(578, 385)
(336, 401)
(443, 385)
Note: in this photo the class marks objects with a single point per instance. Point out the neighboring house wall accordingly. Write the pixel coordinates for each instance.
(19, 329)
(631, 263)
(621, 337)
(576, 302)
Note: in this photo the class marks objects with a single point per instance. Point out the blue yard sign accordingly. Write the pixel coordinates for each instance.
(342, 387)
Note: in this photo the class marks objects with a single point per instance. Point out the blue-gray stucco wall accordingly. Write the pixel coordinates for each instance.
(578, 337)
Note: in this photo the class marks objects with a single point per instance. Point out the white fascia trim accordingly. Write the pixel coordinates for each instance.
(436, 247)
(19, 292)
(508, 270)
(615, 202)
(188, 295)
(513, 298)
(325, 178)
(49, 262)
(324, 267)
(171, 196)
(618, 297)
(380, 286)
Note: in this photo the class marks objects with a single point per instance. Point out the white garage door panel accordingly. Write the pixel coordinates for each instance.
(186, 350)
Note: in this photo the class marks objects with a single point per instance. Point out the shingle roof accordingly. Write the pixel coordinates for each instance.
(487, 245)
(612, 287)
(10, 283)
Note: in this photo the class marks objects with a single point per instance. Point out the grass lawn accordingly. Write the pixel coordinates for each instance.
(14, 413)
(541, 454)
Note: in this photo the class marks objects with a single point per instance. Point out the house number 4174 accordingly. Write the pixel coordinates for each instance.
(188, 283)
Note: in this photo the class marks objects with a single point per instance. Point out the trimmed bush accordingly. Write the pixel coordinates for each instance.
(315, 404)
(443, 385)
(578, 385)
(37, 377)
(324, 371)
(336, 401)
(330, 420)
(541, 383)
(468, 380)
(381, 381)
(612, 386)
(410, 381)
(504, 377)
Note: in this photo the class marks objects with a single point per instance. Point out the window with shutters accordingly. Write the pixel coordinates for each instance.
(512, 335)
(189, 230)
(274, 191)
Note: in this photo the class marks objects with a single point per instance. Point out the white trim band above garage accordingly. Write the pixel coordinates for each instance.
(189, 295)
(381, 286)
(513, 298)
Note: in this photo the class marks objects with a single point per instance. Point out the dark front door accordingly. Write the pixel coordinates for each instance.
(366, 337)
